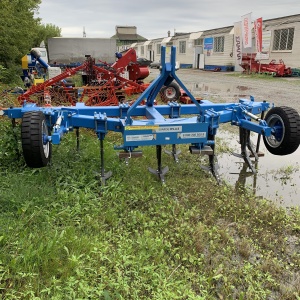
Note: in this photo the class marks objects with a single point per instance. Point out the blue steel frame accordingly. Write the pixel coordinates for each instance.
(160, 124)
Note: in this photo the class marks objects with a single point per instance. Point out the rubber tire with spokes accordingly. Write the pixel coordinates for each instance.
(170, 92)
(37, 148)
(285, 124)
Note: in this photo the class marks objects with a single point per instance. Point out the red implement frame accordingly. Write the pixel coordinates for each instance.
(250, 65)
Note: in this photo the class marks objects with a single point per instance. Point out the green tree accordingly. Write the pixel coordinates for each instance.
(46, 31)
(17, 25)
(20, 30)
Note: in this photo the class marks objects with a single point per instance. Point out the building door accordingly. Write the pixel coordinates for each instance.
(201, 61)
(199, 57)
(150, 55)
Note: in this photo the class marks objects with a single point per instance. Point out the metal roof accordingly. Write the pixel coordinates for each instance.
(166, 40)
(282, 20)
(129, 37)
(217, 31)
(195, 35)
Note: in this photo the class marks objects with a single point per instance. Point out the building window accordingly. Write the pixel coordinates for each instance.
(182, 47)
(158, 46)
(142, 50)
(149, 47)
(198, 42)
(283, 39)
(219, 44)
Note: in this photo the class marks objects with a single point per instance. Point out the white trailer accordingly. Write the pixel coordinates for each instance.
(73, 50)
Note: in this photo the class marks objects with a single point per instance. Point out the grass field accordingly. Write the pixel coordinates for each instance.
(63, 236)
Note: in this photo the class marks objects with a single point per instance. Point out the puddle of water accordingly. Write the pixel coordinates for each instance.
(219, 89)
(277, 178)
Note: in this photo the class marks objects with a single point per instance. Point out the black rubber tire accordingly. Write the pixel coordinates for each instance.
(285, 124)
(37, 149)
(170, 92)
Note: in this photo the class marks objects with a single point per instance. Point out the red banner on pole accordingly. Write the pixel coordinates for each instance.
(258, 34)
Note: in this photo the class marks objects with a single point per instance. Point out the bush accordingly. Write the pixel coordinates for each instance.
(11, 75)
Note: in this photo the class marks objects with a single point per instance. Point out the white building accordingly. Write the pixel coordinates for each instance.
(282, 36)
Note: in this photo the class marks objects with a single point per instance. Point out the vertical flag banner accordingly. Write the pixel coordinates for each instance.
(238, 42)
(246, 31)
(258, 34)
(266, 43)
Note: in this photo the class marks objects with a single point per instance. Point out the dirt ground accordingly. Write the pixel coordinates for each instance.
(229, 87)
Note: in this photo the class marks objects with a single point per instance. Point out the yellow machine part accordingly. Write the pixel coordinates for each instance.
(38, 81)
(24, 62)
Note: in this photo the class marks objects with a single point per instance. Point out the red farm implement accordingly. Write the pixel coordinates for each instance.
(105, 85)
(251, 65)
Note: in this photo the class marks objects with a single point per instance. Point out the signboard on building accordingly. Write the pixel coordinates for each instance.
(208, 43)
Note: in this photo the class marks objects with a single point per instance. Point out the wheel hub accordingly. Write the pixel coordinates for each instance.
(278, 131)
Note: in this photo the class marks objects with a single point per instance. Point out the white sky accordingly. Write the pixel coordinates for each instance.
(154, 18)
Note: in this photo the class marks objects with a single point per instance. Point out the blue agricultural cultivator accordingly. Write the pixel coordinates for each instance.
(146, 124)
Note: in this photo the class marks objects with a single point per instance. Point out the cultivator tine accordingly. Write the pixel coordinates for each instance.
(250, 147)
(174, 153)
(77, 138)
(213, 168)
(213, 163)
(159, 172)
(262, 116)
(13, 123)
(103, 176)
(246, 143)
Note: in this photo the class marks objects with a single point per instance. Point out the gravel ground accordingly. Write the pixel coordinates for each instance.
(227, 87)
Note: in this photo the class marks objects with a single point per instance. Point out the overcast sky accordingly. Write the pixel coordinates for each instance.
(154, 18)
